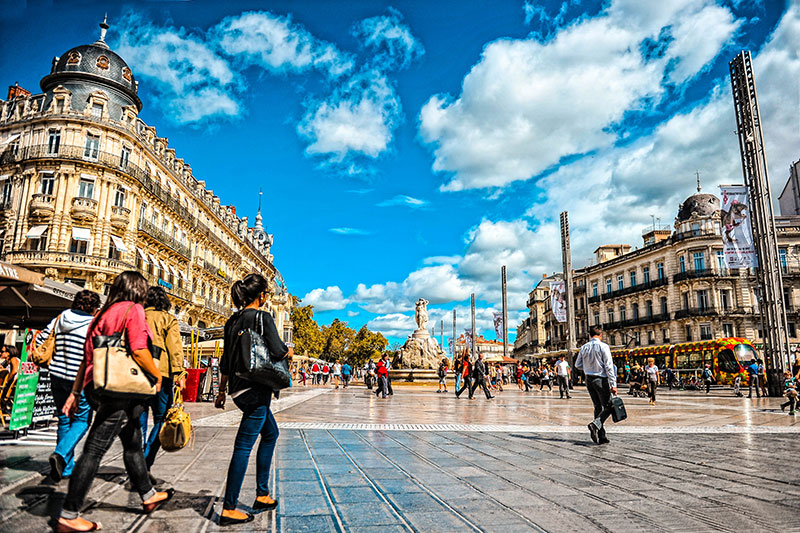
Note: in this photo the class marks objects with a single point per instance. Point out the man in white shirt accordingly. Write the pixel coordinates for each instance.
(563, 374)
(595, 360)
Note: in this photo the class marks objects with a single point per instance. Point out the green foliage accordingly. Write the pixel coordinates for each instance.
(366, 345)
(335, 341)
(307, 336)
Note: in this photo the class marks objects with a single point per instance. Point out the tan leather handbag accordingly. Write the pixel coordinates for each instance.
(44, 353)
(115, 373)
(176, 432)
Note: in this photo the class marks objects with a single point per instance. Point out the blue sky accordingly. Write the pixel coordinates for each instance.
(409, 149)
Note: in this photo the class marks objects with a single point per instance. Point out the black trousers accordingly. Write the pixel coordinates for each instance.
(480, 382)
(751, 384)
(600, 393)
(466, 385)
(563, 386)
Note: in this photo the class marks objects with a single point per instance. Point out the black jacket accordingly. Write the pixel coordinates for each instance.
(478, 369)
(231, 360)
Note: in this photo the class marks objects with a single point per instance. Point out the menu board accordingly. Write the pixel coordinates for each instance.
(25, 395)
(44, 405)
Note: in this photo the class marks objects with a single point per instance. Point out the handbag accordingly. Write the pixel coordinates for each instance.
(618, 413)
(116, 374)
(44, 353)
(176, 432)
(256, 365)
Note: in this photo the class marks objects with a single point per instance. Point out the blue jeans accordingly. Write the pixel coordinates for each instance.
(257, 420)
(70, 431)
(159, 404)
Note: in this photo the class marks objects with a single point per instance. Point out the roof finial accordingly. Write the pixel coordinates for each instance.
(259, 227)
(697, 173)
(103, 28)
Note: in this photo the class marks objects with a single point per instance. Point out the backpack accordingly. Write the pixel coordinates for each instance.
(442, 372)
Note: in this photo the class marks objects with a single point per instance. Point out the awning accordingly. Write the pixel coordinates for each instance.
(9, 140)
(183, 276)
(35, 305)
(13, 275)
(36, 232)
(81, 234)
(153, 260)
(142, 255)
(163, 264)
(118, 244)
(174, 272)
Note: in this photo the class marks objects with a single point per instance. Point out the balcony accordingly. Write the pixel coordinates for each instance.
(120, 217)
(163, 238)
(629, 290)
(42, 207)
(220, 309)
(706, 310)
(703, 273)
(216, 271)
(83, 209)
(66, 259)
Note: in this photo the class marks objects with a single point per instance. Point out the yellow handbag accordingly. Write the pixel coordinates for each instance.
(44, 353)
(176, 432)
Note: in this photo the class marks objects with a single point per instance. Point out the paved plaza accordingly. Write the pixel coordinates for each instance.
(422, 461)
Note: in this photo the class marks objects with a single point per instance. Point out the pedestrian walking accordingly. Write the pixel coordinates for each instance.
(790, 391)
(336, 371)
(500, 377)
(249, 295)
(669, 375)
(347, 372)
(457, 366)
(168, 349)
(326, 372)
(594, 358)
(752, 382)
(9, 370)
(303, 375)
(708, 377)
(545, 379)
(315, 373)
(69, 332)
(466, 377)
(563, 375)
(479, 378)
(762, 378)
(382, 369)
(122, 313)
(442, 373)
(653, 379)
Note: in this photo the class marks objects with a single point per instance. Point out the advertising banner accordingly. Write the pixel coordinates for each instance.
(468, 339)
(498, 325)
(558, 300)
(25, 395)
(737, 229)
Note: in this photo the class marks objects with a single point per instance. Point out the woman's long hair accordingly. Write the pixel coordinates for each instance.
(245, 291)
(128, 286)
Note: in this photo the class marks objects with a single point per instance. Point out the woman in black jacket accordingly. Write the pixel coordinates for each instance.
(249, 295)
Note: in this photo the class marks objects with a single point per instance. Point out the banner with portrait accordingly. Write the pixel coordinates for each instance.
(558, 300)
(736, 226)
(498, 325)
(468, 339)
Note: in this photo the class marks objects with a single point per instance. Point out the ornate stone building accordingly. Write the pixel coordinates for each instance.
(673, 289)
(88, 189)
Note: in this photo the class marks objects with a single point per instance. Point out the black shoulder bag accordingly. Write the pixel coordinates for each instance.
(256, 364)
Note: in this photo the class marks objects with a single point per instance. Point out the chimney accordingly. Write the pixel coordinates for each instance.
(15, 90)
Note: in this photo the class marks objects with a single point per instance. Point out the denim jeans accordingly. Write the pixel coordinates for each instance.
(113, 418)
(159, 405)
(257, 420)
(600, 393)
(70, 431)
(563, 386)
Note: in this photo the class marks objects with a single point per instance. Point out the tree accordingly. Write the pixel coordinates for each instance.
(307, 336)
(366, 345)
(337, 340)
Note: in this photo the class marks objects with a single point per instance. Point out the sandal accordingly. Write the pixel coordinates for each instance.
(150, 507)
(64, 528)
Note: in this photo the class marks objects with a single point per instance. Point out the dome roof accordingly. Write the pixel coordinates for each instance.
(699, 204)
(96, 63)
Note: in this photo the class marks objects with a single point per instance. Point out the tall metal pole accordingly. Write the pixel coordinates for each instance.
(472, 305)
(566, 260)
(455, 348)
(756, 177)
(441, 333)
(505, 311)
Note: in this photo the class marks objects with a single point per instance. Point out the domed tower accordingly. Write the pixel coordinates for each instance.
(698, 214)
(89, 68)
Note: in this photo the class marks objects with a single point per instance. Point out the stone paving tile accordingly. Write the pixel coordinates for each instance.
(366, 514)
(307, 524)
(353, 494)
(308, 505)
(415, 501)
(439, 522)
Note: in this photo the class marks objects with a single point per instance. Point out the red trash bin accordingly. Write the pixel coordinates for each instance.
(192, 383)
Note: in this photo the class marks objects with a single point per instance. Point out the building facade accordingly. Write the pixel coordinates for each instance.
(789, 200)
(88, 190)
(675, 288)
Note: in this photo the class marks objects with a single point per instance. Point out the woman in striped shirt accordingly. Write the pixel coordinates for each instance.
(69, 329)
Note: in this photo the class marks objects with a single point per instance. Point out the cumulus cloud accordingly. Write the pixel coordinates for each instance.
(527, 105)
(357, 121)
(277, 44)
(328, 299)
(393, 325)
(389, 40)
(403, 200)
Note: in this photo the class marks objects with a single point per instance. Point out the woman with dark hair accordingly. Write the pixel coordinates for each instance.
(249, 295)
(168, 349)
(9, 369)
(122, 312)
(69, 329)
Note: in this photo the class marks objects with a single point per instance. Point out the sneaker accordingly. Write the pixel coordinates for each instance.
(603, 440)
(792, 412)
(57, 465)
(594, 431)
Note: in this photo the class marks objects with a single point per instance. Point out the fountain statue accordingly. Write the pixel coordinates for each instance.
(421, 351)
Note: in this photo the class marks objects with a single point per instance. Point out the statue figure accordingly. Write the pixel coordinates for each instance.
(421, 314)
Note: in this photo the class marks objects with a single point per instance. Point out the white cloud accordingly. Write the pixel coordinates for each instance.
(357, 121)
(192, 80)
(403, 200)
(277, 44)
(393, 325)
(389, 40)
(351, 314)
(349, 231)
(526, 104)
(329, 299)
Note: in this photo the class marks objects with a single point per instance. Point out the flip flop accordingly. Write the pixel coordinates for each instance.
(150, 507)
(63, 528)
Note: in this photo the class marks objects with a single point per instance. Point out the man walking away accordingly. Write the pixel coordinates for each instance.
(752, 382)
(466, 376)
(383, 377)
(708, 377)
(563, 375)
(347, 372)
(479, 378)
(595, 360)
(669, 375)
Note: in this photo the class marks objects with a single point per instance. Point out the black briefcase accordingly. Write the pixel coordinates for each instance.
(618, 413)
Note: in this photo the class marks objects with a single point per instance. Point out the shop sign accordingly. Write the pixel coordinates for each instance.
(165, 284)
(25, 395)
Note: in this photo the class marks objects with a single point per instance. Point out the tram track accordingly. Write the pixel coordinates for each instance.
(326, 490)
